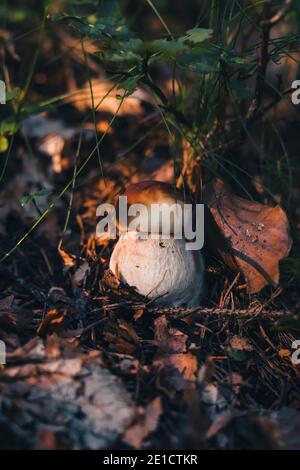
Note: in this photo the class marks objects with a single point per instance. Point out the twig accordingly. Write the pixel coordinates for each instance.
(182, 312)
(267, 23)
(279, 15)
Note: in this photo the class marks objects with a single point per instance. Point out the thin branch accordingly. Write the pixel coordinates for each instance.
(279, 15)
(182, 312)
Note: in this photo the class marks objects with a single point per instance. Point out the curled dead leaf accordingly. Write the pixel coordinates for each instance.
(255, 236)
(68, 259)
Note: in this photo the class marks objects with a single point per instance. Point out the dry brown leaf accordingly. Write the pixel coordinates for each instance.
(68, 260)
(169, 340)
(80, 274)
(165, 172)
(53, 321)
(186, 365)
(257, 236)
(127, 331)
(120, 345)
(178, 366)
(7, 315)
(147, 423)
(110, 280)
(138, 313)
(240, 343)
(284, 353)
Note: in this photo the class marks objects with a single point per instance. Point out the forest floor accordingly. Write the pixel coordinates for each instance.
(90, 363)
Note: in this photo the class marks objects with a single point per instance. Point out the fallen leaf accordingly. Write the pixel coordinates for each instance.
(110, 280)
(7, 315)
(177, 365)
(146, 424)
(53, 321)
(68, 260)
(68, 402)
(169, 340)
(180, 369)
(80, 274)
(6, 304)
(257, 236)
(138, 313)
(284, 353)
(127, 331)
(240, 343)
(220, 423)
(118, 344)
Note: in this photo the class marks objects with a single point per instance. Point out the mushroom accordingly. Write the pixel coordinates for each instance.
(157, 264)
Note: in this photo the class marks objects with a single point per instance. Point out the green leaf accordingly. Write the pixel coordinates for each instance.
(29, 197)
(35, 108)
(3, 144)
(122, 51)
(12, 94)
(163, 45)
(197, 35)
(237, 355)
(119, 56)
(8, 126)
(130, 85)
(106, 29)
(163, 50)
(202, 59)
(233, 58)
(57, 16)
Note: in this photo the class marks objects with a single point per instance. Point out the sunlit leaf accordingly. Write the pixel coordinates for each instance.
(122, 51)
(3, 144)
(197, 35)
(8, 126)
(202, 59)
(12, 94)
(29, 197)
(130, 85)
(172, 47)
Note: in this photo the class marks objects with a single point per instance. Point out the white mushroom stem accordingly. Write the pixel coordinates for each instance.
(159, 268)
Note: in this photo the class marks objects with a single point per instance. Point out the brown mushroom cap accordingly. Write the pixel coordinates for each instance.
(152, 192)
